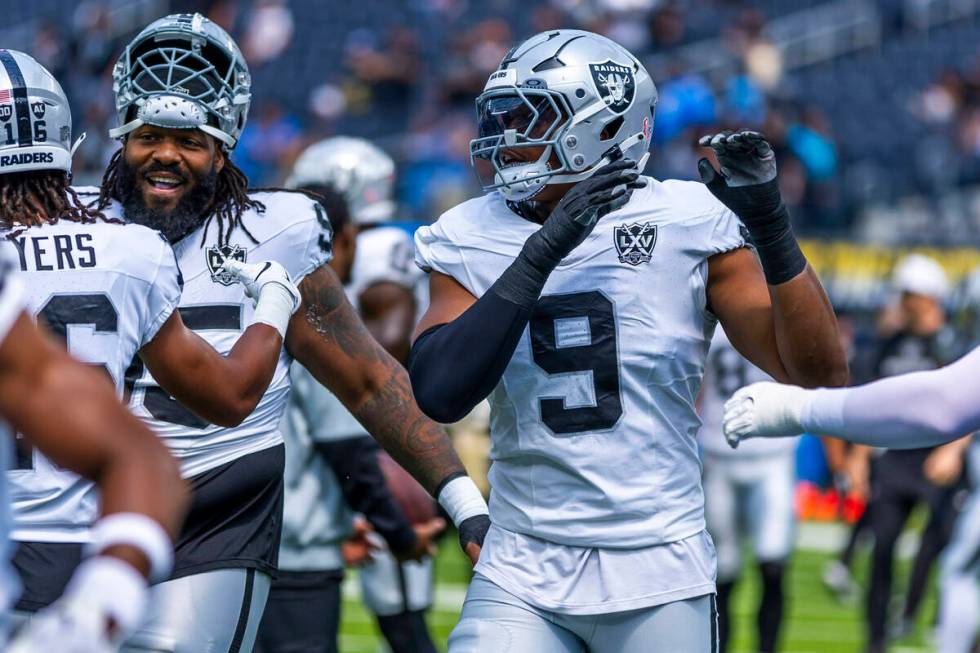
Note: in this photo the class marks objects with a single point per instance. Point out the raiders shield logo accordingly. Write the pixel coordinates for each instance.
(6, 111)
(216, 256)
(635, 242)
(38, 109)
(615, 84)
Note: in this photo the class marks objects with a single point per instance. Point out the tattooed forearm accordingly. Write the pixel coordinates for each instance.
(330, 340)
(419, 445)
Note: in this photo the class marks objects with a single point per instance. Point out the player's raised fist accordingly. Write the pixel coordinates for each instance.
(768, 410)
(746, 183)
(257, 276)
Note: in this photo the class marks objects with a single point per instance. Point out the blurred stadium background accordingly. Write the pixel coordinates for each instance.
(874, 108)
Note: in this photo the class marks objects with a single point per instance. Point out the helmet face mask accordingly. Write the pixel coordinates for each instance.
(183, 72)
(511, 120)
(603, 99)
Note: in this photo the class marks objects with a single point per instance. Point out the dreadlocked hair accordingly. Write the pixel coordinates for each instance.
(39, 197)
(231, 198)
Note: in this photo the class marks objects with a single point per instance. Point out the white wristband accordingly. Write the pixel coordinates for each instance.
(275, 306)
(111, 587)
(461, 499)
(136, 530)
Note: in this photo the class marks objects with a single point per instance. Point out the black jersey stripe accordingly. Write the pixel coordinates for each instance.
(22, 109)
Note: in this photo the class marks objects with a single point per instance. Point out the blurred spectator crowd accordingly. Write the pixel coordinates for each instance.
(870, 125)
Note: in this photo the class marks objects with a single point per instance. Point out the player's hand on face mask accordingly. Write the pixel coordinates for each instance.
(746, 183)
(764, 410)
(425, 539)
(579, 210)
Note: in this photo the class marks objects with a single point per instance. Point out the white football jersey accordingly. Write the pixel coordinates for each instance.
(106, 289)
(293, 230)
(383, 254)
(11, 306)
(593, 424)
(725, 372)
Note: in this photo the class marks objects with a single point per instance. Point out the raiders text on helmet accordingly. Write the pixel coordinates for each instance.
(35, 119)
(358, 169)
(581, 96)
(183, 72)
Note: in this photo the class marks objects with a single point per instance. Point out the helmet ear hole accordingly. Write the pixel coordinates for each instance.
(611, 129)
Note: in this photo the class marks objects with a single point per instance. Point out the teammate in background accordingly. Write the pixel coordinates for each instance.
(109, 291)
(746, 492)
(917, 411)
(66, 409)
(182, 95)
(582, 298)
(332, 468)
(905, 478)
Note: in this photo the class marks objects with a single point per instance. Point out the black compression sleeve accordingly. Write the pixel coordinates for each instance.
(354, 462)
(454, 366)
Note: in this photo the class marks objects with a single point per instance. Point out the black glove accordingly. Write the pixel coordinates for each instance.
(569, 224)
(747, 185)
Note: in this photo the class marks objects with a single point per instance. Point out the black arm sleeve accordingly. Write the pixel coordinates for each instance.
(455, 366)
(354, 462)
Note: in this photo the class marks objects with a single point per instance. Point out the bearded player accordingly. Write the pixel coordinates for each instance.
(109, 290)
(182, 93)
(580, 298)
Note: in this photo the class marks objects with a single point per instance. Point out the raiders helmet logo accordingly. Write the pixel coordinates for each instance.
(635, 242)
(6, 112)
(615, 84)
(38, 109)
(216, 256)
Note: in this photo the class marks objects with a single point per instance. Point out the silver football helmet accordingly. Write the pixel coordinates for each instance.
(35, 118)
(357, 168)
(183, 72)
(582, 97)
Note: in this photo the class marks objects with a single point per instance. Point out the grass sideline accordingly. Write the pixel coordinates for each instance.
(815, 622)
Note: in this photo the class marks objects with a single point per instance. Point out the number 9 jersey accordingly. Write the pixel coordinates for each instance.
(593, 425)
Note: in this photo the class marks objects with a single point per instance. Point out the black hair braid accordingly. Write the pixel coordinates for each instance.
(231, 198)
(39, 197)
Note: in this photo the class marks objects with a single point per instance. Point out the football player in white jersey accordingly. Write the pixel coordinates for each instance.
(182, 94)
(381, 279)
(581, 298)
(747, 492)
(68, 411)
(64, 408)
(109, 290)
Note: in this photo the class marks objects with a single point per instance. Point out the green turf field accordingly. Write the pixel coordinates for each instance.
(816, 622)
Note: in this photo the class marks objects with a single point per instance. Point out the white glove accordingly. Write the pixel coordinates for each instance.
(102, 605)
(764, 410)
(268, 283)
